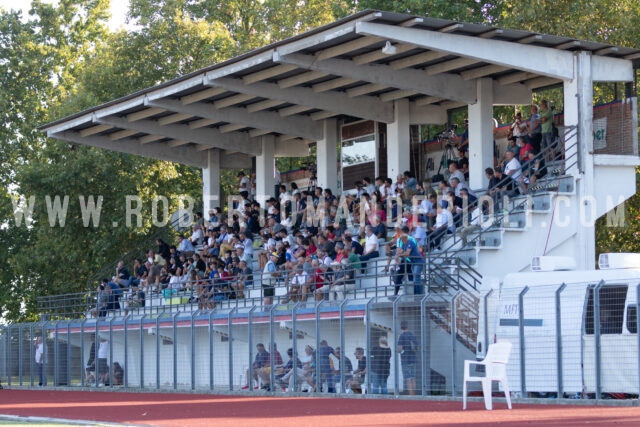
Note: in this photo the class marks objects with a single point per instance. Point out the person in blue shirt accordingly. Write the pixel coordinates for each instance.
(261, 361)
(408, 349)
(408, 249)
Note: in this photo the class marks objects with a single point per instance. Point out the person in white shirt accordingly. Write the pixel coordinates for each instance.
(444, 224)
(244, 184)
(455, 173)
(40, 361)
(371, 249)
(103, 367)
(298, 281)
(512, 167)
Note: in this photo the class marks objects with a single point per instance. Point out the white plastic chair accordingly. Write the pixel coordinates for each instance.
(495, 364)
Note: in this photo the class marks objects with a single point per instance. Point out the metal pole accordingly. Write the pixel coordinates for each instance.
(20, 357)
(453, 343)
(343, 387)
(158, 352)
(559, 340)
(110, 366)
(426, 346)
(83, 372)
(193, 349)
(9, 352)
(126, 351)
(272, 362)
(175, 349)
(56, 357)
(368, 341)
(141, 361)
(250, 343)
(596, 336)
(230, 333)
(318, 339)
(68, 353)
(523, 384)
(211, 373)
(638, 330)
(486, 322)
(396, 366)
(294, 346)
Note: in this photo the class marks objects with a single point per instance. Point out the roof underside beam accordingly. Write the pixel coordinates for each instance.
(183, 154)
(302, 126)
(206, 137)
(370, 108)
(445, 85)
(540, 60)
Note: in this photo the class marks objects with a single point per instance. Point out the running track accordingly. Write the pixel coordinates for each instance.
(164, 409)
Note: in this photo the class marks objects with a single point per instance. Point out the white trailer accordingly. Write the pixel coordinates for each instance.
(565, 344)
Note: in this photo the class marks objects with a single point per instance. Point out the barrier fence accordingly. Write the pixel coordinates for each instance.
(568, 341)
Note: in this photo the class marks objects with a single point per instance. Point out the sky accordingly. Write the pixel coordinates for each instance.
(118, 9)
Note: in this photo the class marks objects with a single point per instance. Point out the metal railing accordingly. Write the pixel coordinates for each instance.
(593, 357)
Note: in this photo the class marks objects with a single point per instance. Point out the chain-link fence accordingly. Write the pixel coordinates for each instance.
(569, 340)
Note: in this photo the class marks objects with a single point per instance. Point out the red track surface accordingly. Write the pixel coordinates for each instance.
(163, 409)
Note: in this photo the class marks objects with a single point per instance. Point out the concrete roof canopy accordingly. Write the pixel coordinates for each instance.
(353, 68)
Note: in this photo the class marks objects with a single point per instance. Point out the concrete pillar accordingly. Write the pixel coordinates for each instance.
(327, 156)
(578, 111)
(211, 181)
(481, 135)
(399, 140)
(265, 168)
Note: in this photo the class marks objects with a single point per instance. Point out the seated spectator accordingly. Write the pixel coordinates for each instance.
(196, 235)
(370, 249)
(118, 375)
(185, 246)
(135, 300)
(122, 277)
(299, 281)
(305, 374)
(455, 173)
(244, 279)
(261, 360)
(283, 371)
(355, 383)
(343, 281)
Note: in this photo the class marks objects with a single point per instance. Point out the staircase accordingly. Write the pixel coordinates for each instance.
(506, 242)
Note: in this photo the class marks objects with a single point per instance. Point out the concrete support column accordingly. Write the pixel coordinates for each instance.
(399, 140)
(265, 168)
(578, 111)
(481, 134)
(211, 181)
(327, 156)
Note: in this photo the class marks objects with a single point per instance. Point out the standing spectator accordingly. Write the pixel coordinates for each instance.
(534, 129)
(103, 367)
(100, 310)
(546, 127)
(324, 366)
(408, 249)
(270, 276)
(408, 348)
(339, 367)
(40, 358)
(380, 357)
(163, 249)
(90, 369)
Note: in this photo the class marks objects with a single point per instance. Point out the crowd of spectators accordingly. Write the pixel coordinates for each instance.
(315, 243)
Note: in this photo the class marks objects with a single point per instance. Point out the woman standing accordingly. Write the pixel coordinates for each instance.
(380, 366)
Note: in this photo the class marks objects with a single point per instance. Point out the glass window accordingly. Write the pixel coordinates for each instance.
(612, 299)
(632, 319)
